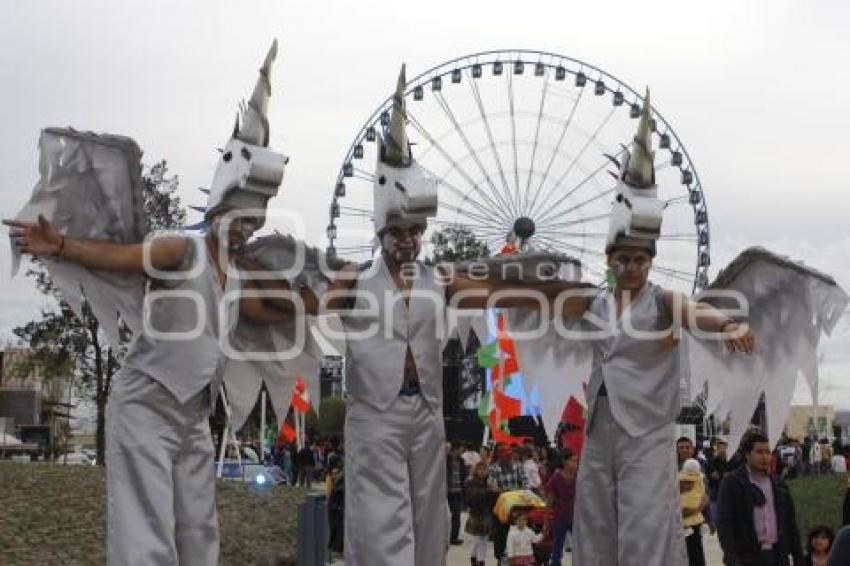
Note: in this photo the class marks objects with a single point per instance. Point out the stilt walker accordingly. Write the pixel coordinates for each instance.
(89, 226)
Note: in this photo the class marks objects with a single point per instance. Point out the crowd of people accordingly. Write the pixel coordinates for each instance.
(741, 498)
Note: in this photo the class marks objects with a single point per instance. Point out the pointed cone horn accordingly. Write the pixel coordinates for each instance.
(397, 150)
(641, 169)
(255, 122)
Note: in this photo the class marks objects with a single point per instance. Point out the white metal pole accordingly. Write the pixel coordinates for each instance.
(223, 432)
(263, 427)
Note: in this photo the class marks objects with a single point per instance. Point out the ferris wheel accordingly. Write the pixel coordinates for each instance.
(518, 141)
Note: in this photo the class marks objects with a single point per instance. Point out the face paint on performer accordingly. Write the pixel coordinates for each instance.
(402, 245)
(235, 232)
(630, 267)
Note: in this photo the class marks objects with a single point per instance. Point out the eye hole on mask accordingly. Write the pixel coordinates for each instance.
(382, 180)
(245, 153)
(400, 187)
(227, 157)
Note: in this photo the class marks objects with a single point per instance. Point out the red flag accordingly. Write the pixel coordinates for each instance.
(496, 431)
(300, 398)
(510, 364)
(574, 421)
(508, 407)
(287, 433)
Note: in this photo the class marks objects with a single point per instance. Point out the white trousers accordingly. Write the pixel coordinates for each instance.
(160, 483)
(396, 511)
(627, 497)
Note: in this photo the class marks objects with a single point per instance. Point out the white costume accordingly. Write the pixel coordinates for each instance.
(396, 510)
(627, 496)
(160, 484)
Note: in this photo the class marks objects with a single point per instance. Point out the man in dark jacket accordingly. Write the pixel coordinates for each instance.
(306, 461)
(756, 520)
(455, 480)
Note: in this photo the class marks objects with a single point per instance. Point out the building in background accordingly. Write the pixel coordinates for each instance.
(34, 406)
(807, 420)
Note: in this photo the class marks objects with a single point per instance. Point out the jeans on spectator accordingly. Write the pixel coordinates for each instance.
(559, 537)
(500, 537)
(305, 476)
(456, 507)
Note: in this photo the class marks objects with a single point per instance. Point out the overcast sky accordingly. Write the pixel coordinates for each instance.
(757, 91)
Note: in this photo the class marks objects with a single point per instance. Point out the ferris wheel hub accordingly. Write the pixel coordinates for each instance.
(524, 227)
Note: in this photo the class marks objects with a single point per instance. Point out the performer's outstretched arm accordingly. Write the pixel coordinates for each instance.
(476, 294)
(43, 239)
(272, 308)
(702, 316)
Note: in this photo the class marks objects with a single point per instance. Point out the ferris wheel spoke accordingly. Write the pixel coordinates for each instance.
(368, 175)
(554, 207)
(513, 136)
(567, 223)
(681, 237)
(571, 246)
(527, 191)
(450, 115)
(556, 151)
(554, 214)
(578, 156)
(486, 210)
(674, 273)
(455, 165)
(480, 104)
(485, 218)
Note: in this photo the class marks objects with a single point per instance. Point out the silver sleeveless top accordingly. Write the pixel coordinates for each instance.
(376, 358)
(179, 342)
(640, 374)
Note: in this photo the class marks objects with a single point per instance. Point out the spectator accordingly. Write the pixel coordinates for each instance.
(839, 464)
(818, 545)
(284, 462)
(814, 457)
(757, 525)
(504, 475)
(693, 501)
(335, 486)
(840, 553)
(845, 514)
(531, 469)
(561, 496)
(470, 457)
(519, 542)
(825, 456)
(717, 468)
(306, 462)
(806, 451)
(455, 479)
(684, 450)
(486, 454)
(479, 502)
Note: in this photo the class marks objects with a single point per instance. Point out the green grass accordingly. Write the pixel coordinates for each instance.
(52, 514)
(818, 500)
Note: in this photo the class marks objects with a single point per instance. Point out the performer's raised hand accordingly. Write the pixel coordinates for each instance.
(36, 238)
(741, 337)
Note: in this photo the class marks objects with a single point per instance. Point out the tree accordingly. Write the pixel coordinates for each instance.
(457, 243)
(331, 417)
(63, 343)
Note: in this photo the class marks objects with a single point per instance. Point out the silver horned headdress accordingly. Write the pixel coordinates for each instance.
(404, 195)
(248, 173)
(637, 212)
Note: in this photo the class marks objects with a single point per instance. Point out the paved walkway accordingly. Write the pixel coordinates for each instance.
(459, 555)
